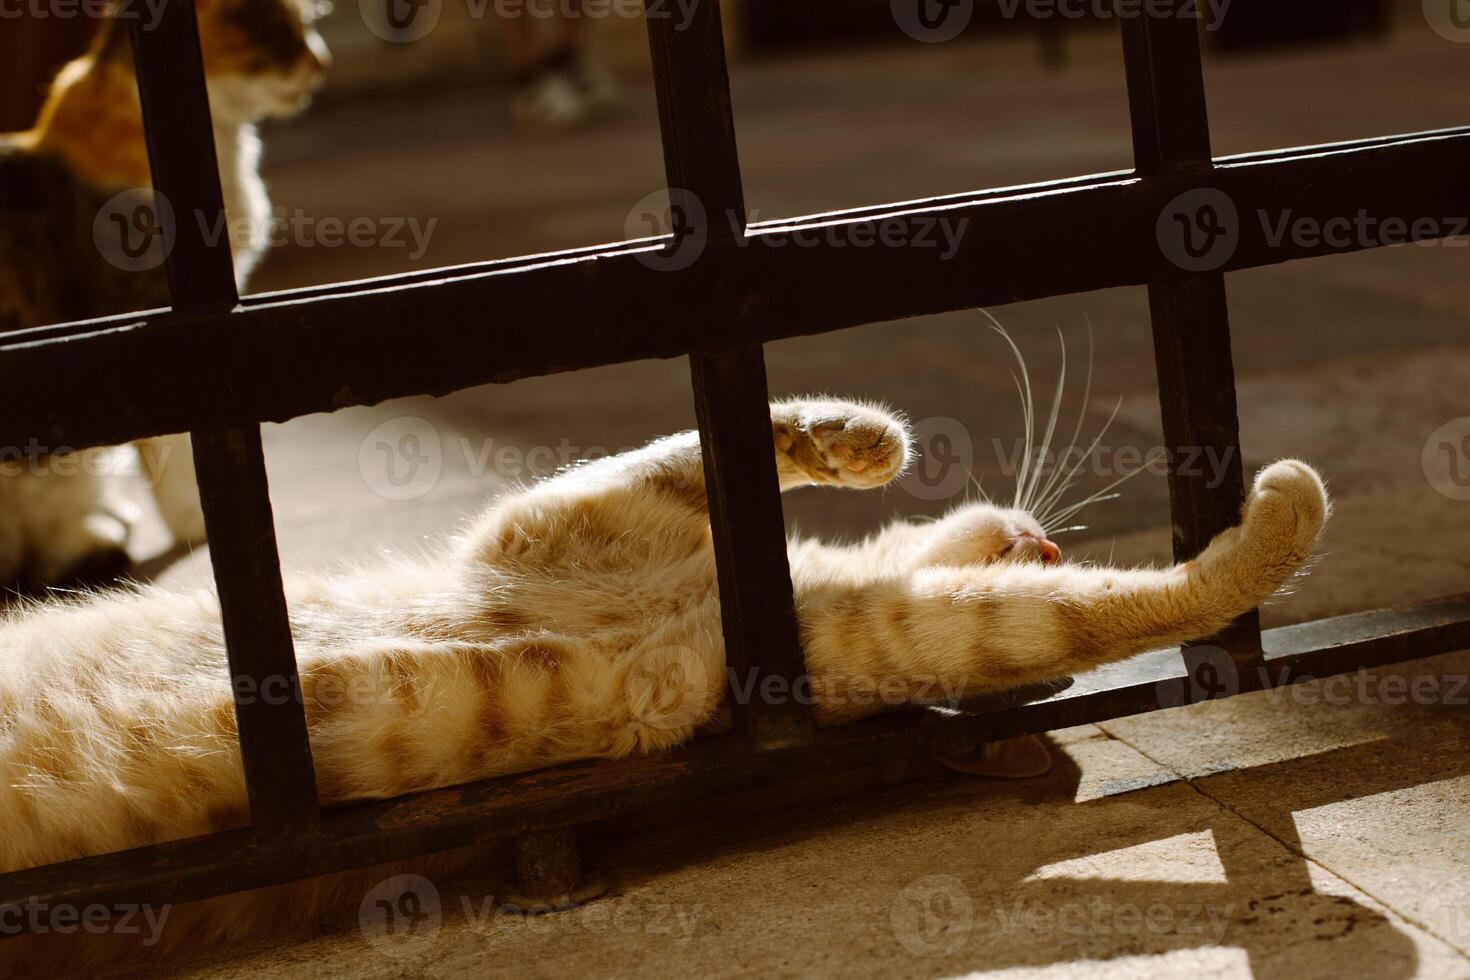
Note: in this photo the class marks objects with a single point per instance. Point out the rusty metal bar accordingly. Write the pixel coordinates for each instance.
(731, 399)
(229, 462)
(1191, 322)
(372, 833)
(315, 351)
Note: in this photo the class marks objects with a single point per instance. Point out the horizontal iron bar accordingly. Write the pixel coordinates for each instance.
(436, 333)
(362, 835)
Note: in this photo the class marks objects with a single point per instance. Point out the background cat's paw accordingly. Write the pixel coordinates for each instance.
(92, 552)
(846, 444)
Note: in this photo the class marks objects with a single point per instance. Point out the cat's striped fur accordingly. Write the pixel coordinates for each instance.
(576, 619)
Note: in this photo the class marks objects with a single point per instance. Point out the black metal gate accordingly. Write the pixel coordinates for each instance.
(231, 365)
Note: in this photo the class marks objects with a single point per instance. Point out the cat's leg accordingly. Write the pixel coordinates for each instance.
(969, 629)
(59, 529)
(887, 553)
(816, 441)
(636, 493)
(167, 463)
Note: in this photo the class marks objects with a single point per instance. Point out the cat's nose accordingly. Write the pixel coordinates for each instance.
(1049, 552)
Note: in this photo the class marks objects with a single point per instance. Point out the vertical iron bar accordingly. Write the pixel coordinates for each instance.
(756, 601)
(731, 399)
(279, 774)
(1191, 324)
(229, 463)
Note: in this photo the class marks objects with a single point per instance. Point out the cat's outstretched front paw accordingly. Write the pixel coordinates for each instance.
(840, 443)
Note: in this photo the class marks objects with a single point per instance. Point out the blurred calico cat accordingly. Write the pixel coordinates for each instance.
(263, 58)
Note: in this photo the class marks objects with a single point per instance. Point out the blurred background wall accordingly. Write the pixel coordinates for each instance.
(467, 42)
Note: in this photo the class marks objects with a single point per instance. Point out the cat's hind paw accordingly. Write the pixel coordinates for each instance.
(1285, 512)
(842, 443)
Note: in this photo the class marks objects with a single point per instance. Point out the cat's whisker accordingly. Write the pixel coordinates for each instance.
(1028, 498)
(1104, 494)
(1051, 533)
(1097, 498)
(1023, 386)
(1026, 450)
(977, 483)
(1047, 492)
(1050, 502)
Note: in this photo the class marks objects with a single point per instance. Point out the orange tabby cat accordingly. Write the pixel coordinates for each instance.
(576, 619)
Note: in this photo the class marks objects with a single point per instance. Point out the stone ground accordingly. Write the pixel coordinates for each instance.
(1313, 833)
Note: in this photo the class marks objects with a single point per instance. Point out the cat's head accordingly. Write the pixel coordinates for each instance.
(262, 58)
(983, 534)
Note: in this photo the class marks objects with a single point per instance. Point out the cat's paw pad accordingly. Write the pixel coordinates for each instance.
(849, 445)
(1289, 500)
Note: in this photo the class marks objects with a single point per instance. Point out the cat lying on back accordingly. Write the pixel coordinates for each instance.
(262, 58)
(576, 619)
